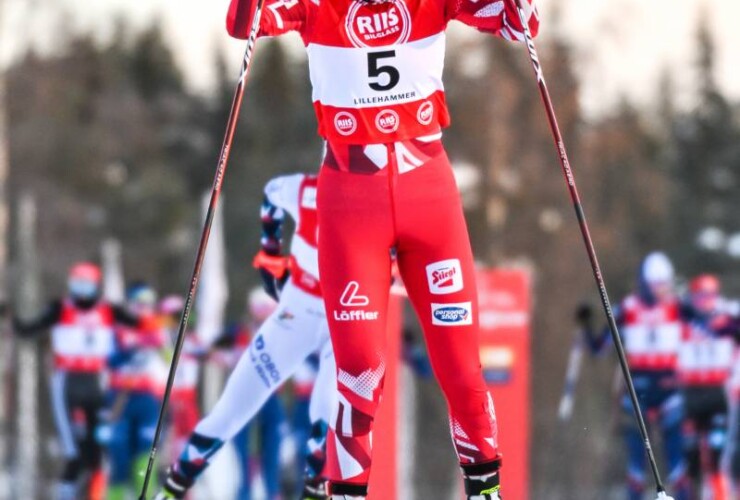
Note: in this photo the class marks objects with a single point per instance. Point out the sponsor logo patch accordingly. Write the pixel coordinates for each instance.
(308, 199)
(452, 314)
(445, 277)
(263, 363)
(351, 297)
(425, 113)
(356, 315)
(345, 123)
(387, 121)
(286, 316)
(378, 25)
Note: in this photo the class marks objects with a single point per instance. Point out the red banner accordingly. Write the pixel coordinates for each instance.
(505, 346)
(505, 356)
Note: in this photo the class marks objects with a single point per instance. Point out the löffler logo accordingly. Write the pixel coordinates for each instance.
(387, 121)
(352, 298)
(345, 123)
(452, 314)
(378, 25)
(445, 277)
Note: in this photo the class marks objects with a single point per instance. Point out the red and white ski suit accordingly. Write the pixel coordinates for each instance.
(386, 182)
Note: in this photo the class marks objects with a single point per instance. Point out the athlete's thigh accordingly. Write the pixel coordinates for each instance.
(631, 433)
(146, 421)
(436, 262)
(355, 237)
(279, 346)
(121, 443)
(287, 337)
(62, 412)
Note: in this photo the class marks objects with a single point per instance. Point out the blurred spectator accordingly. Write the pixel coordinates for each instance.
(705, 365)
(82, 338)
(651, 326)
(138, 378)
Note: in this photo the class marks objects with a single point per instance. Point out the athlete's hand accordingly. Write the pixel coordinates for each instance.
(276, 265)
(274, 271)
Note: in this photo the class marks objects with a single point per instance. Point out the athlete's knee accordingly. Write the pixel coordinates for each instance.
(357, 359)
(196, 456)
(118, 442)
(316, 451)
(360, 391)
(635, 481)
(145, 437)
(672, 412)
(464, 389)
(718, 433)
(680, 483)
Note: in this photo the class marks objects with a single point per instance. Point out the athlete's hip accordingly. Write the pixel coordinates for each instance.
(381, 159)
(385, 176)
(297, 299)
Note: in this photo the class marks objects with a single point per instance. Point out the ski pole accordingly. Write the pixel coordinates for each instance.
(200, 255)
(590, 249)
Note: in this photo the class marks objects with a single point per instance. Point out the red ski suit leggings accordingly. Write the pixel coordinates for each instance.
(401, 196)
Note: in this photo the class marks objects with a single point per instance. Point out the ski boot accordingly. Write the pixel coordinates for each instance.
(65, 490)
(482, 480)
(314, 489)
(175, 486)
(347, 491)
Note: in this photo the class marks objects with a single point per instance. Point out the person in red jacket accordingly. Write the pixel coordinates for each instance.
(386, 184)
(705, 365)
(82, 328)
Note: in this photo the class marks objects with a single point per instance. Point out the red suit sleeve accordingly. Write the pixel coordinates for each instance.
(498, 17)
(278, 17)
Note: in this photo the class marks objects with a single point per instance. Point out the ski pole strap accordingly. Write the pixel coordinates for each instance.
(177, 484)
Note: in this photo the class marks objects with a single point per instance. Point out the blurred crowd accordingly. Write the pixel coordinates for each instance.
(681, 346)
(110, 365)
(109, 371)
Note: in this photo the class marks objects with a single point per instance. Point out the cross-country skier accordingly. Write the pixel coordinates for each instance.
(184, 409)
(137, 380)
(705, 364)
(82, 338)
(270, 422)
(651, 326)
(734, 438)
(386, 182)
(293, 332)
